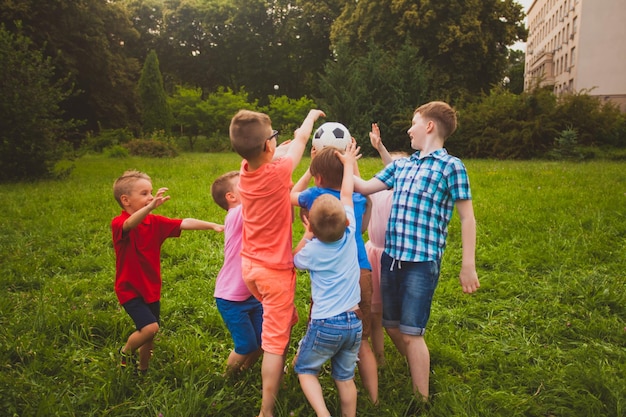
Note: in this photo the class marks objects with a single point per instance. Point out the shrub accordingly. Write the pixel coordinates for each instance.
(566, 145)
(151, 148)
(116, 151)
(107, 138)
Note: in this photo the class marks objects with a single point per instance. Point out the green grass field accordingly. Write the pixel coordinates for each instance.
(544, 336)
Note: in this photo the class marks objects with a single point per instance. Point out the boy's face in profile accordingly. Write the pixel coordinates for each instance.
(139, 196)
(417, 131)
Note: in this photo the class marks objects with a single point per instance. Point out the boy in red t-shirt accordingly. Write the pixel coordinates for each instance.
(266, 255)
(137, 238)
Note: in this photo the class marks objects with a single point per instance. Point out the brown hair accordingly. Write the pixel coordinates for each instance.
(221, 186)
(442, 114)
(248, 132)
(124, 184)
(328, 167)
(327, 218)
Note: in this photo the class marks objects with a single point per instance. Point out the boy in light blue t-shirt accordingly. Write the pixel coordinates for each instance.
(328, 250)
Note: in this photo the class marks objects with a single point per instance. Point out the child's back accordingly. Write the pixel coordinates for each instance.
(267, 261)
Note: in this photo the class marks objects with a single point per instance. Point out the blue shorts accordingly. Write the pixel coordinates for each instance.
(244, 320)
(407, 291)
(143, 313)
(337, 338)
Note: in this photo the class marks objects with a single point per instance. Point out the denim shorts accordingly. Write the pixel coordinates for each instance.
(407, 291)
(244, 320)
(337, 338)
(142, 313)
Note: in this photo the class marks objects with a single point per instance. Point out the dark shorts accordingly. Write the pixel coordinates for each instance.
(407, 290)
(244, 320)
(143, 313)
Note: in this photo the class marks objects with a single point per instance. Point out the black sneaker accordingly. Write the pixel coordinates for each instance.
(127, 359)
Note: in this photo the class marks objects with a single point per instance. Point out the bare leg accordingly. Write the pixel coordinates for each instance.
(378, 338)
(396, 338)
(368, 370)
(313, 393)
(237, 363)
(419, 364)
(271, 374)
(347, 396)
(142, 339)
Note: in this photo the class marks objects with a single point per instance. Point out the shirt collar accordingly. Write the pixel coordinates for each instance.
(438, 154)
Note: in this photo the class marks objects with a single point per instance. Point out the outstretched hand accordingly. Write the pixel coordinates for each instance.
(351, 154)
(159, 198)
(375, 138)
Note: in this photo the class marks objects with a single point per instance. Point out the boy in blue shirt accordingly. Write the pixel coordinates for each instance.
(327, 170)
(426, 188)
(329, 251)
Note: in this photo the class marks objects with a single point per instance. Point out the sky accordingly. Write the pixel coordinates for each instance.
(525, 5)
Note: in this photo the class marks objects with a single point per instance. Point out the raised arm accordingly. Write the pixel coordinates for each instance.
(137, 217)
(468, 276)
(348, 159)
(377, 143)
(302, 135)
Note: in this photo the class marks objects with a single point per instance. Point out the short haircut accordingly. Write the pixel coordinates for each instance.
(329, 167)
(327, 218)
(221, 186)
(124, 184)
(248, 132)
(442, 114)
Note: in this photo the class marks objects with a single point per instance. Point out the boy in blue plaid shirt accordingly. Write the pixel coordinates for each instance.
(426, 187)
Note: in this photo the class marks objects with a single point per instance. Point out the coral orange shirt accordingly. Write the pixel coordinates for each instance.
(267, 213)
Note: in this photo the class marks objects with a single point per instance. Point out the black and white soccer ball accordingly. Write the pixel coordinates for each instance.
(331, 134)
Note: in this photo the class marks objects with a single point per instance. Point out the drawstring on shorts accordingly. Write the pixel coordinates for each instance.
(394, 262)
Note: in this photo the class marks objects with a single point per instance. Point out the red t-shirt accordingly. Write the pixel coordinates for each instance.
(138, 256)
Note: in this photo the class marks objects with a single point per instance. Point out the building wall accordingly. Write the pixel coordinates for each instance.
(576, 46)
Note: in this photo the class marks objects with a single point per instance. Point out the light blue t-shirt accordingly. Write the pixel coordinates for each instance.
(334, 270)
(308, 196)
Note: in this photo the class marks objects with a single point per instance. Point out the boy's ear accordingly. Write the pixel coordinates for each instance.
(124, 200)
(230, 196)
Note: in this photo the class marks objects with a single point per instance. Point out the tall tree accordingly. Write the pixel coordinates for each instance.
(31, 130)
(88, 38)
(464, 41)
(156, 112)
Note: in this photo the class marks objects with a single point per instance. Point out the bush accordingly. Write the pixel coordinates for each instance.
(107, 138)
(566, 146)
(116, 151)
(151, 148)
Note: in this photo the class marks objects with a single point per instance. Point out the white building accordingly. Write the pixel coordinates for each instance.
(576, 46)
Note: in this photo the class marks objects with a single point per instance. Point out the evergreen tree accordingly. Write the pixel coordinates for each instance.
(30, 116)
(155, 108)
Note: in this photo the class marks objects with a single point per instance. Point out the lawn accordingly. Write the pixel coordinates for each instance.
(544, 336)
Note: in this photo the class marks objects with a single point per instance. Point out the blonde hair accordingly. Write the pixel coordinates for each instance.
(124, 184)
(327, 218)
(248, 132)
(221, 186)
(329, 167)
(442, 114)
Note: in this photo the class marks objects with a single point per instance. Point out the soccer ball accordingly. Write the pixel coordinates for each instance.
(331, 134)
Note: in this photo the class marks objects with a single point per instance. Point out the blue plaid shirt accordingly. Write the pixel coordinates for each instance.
(424, 192)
